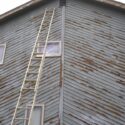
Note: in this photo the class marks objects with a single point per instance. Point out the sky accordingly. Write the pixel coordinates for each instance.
(122, 1)
(6, 5)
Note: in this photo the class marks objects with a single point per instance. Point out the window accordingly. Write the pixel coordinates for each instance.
(37, 116)
(2, 52)
(53, 48)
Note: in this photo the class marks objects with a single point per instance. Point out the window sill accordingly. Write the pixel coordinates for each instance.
(49, 55)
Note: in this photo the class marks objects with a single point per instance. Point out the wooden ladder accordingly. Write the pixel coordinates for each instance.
(29, 89)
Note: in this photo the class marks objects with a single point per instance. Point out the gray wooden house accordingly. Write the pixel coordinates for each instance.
(83, 79)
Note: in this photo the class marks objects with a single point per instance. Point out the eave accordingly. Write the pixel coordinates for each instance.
(20, 9)
(113, 3)
(34, 3)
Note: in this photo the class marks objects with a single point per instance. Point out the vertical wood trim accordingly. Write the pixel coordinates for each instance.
(62, 3)
(4, 47)
(62, 68)
(43, 113)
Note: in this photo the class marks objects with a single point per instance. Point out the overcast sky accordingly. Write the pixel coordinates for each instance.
(6, 5)
(122, 1)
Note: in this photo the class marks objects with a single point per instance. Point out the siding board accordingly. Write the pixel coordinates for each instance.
(19, 34)
(94, 89)
(94, 62)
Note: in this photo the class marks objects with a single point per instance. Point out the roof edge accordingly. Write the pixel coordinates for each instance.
(19, 9)
(32, 3)
(113, 3)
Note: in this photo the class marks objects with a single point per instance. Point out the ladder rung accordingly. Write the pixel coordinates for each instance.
(34, 65)
(30, 80)
(24, 107)
(38, 53)
(24, 98)
(46, 24)
(41, 42)
(36, 59)
(48, 14)
(21, 118)
(39, 46)
(28, 88)
(32, 73)
(49, 11)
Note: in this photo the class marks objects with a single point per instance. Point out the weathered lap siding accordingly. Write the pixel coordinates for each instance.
(19, 35)
(94, 65)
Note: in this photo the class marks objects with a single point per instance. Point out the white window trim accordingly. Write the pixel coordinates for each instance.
(36, 105)
(4, 45)
(53, 54)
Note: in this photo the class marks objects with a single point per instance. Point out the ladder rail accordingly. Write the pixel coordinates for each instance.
(28, 67)
(40, 69)
(34, 49)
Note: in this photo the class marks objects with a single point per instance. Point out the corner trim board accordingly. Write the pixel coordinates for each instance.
(62, 68)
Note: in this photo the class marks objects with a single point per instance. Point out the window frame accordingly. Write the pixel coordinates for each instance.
(4, 46)
(52, 54)
(42, 112)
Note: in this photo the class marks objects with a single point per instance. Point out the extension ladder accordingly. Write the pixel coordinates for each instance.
(29, 89)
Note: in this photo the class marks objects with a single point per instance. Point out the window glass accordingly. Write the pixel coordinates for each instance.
(52, 49)
(36, 116)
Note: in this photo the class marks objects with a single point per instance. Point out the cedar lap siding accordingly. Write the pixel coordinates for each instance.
(83, 86)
